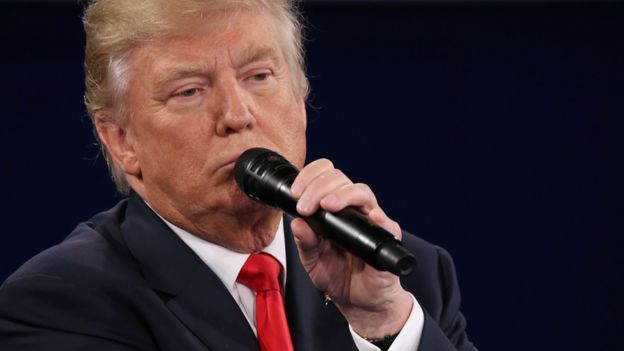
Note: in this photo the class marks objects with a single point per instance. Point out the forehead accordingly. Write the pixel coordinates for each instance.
(209, 41)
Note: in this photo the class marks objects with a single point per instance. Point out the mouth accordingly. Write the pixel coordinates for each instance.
(230, 161)
(228, 165)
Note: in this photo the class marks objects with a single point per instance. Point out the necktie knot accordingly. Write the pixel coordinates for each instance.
(260, 273)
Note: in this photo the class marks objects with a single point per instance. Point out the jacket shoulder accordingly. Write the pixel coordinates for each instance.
(92, 251)
(87, 286)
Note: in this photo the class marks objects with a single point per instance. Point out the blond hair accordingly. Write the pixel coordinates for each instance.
(115, 27)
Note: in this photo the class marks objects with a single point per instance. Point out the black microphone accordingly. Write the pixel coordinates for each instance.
(266, 176)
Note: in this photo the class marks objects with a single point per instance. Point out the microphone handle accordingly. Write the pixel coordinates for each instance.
(353, 232)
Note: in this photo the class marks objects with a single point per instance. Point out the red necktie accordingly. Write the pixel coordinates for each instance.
(261, 273)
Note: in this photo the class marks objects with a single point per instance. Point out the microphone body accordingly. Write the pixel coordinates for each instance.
(266, 176)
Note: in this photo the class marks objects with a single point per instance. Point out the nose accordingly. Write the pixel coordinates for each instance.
(235, 114)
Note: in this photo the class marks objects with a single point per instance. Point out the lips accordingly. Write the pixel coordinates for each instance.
(230, 161)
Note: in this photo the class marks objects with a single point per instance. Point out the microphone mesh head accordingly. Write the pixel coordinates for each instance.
(261, 174)
(244, 164)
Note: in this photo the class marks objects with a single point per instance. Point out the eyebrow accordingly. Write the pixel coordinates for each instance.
(183, 72)
(255, 54)
(248, 55)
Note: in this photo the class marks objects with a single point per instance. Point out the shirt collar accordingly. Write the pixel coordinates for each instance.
(225, 263)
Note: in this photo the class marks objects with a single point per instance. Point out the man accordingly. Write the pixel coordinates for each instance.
(177, 91)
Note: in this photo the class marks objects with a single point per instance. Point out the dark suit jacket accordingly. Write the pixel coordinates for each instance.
(125, 281)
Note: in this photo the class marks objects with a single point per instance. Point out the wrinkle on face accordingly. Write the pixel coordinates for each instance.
(183, 155)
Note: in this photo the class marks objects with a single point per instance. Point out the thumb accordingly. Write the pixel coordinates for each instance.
(306, 239)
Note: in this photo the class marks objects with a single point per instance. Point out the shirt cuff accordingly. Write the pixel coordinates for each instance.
(408, 338)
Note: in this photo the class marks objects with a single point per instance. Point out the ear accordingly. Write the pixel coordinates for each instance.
(118, 143)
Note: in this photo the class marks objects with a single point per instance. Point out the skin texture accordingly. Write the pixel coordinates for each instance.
(196, 103)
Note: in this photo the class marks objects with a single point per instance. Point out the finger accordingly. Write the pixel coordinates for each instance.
(378, 217)
(306, 239)
(320, 187)
(307, 174)
(357, 195)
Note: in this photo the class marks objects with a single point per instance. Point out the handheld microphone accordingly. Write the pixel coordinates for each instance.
(266, 176)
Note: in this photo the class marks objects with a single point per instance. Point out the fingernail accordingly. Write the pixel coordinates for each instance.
(303, 206)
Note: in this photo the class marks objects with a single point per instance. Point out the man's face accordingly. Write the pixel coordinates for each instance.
(197, 102)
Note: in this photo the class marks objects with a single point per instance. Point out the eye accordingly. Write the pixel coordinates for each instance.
(260, 76)
(188, 92)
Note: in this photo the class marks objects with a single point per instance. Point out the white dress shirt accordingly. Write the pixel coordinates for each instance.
(226, 264)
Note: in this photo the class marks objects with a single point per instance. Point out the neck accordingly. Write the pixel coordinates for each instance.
(247, 230)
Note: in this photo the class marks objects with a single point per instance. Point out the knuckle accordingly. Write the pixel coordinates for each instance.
(323, 162)
(363, 189)
(336, 173)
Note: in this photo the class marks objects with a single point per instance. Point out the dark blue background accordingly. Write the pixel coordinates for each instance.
(492, 130)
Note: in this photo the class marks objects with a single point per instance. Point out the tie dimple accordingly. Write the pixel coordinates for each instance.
(260, 273)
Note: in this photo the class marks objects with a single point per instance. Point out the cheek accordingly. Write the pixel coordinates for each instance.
(288, 122)
(293, 134)
(166, 148)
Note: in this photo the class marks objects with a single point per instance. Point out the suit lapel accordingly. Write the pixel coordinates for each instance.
(198, 298)
(313, 325)
(191, 290)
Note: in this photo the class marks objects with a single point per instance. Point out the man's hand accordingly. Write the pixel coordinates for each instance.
(373, 302)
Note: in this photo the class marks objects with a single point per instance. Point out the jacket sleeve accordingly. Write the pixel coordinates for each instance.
(445, 328)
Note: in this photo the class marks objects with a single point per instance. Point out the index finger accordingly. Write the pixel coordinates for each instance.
(307, 174)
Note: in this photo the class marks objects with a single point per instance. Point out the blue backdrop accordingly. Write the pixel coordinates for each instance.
(492, 130)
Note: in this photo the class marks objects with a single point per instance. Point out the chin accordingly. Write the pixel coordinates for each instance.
(257, 237)
(239, 202)
(262, 243)
(247, 205)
